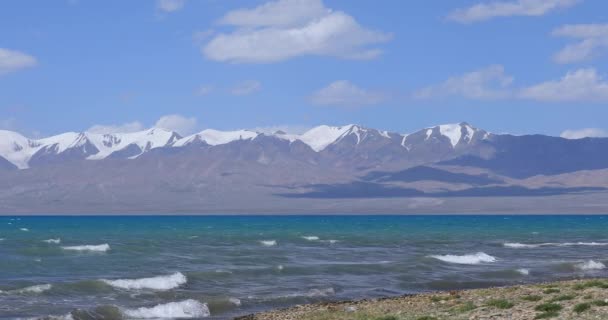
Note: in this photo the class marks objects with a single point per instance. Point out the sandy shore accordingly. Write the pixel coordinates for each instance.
(575, 299)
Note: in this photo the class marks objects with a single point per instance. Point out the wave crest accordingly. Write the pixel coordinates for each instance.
(40, 288)
(517, 245)
(268, 243)
(97, 248)
(183, 309)
(475, 258)
(154, 283)
(310, 238)
(53, 241)
(590, 265)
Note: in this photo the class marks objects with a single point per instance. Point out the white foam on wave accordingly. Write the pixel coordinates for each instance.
(517, 245)
(183, 309)
(97, 248)
(523, 271)
(590, 265)
(154, 283)
(24, 229)
(310, 238)
(268, 243)
(235, 301)
(40, 288)
(475, 258)
(321, 292)
(331, 241)
(53, 241)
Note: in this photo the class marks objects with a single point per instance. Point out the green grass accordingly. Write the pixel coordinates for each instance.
(466, 307)
(591, 284)
(548, 307)
(563, 297)
(426, 318)
(551, 290)
(436, 299)
(588, 297)
(546, 315)
(500, 304)
(599, 303)
(581, 307)
(532, 297)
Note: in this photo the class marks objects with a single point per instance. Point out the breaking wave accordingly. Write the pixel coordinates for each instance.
(475, 258)
(154, 283)
(183, 309)
(53, 241)
(523, 271)
(310, 238)
(97, 248)
(31, 289)
(517, 245)
(268, 243)
(590, 265)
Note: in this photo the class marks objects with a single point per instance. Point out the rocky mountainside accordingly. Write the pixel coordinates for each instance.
(326, 169)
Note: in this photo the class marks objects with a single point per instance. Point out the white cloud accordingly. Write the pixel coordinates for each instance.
(286, 13)
(592, 42)
(170, 5)
(582, 85)
(11, 60)
(285, 29)
(487, 83)
(345, 94)
(584, 133)
(204, 90)
(121, 128)
(177, 123)
(488, 10)
(246, 87)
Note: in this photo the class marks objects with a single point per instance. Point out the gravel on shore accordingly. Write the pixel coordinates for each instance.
(573, 299)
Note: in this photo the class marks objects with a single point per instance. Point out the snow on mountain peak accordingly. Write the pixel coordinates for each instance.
(15, 148)
(318, 138)
(146, 140)
(215, 137)
(455, 131)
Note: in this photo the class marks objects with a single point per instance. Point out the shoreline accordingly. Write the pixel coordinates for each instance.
(564, 299)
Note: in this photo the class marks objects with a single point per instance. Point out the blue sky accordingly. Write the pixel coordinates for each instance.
(519, 66)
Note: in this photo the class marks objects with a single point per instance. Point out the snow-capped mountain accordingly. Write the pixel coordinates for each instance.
(215, 137)
(342, 140)
(23, 152)
(156, 170)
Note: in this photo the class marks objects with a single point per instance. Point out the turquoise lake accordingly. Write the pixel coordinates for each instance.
(217, 267)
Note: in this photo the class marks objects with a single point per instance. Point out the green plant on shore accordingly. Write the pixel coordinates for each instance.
(551, 290)
(581, 307)
(387, 318)
(591, 284)
(548, 307)
(599, 303)
(466, 307)
(588, 297)
(426, 318)
(548, 310)
(546, 315)
(532, 298)
(500, 303)
(563, 297)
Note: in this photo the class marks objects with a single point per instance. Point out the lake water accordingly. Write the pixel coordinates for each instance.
(218, 267)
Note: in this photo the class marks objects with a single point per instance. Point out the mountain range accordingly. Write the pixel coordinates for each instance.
(454, 168)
